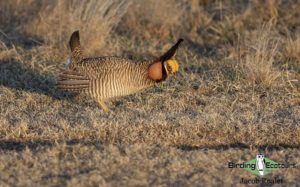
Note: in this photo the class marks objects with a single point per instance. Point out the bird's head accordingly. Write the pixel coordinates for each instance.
(171, 66)
(166, 65)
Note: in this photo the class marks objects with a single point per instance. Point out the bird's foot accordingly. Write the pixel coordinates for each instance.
(103, 106)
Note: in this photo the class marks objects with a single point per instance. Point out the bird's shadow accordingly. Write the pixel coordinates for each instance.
(238, 145)
(12, 145)
(14, 74)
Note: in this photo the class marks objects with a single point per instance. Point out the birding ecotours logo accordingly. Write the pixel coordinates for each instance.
(261, 166)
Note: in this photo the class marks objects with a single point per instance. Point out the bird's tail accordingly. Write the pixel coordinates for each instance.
(72, 81)
(76, 50)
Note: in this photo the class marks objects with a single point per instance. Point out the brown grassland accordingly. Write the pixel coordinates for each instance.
(237, 93)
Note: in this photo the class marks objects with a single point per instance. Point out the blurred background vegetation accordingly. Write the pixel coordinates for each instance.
(237, 92)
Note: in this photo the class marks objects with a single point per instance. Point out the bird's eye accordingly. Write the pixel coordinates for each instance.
(169, 68)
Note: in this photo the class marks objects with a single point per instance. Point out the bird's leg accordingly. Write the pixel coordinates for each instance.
(103, 105)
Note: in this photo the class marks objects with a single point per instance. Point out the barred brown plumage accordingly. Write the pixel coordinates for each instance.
(107, 77)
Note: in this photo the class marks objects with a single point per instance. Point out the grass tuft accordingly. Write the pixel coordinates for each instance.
(258, 60)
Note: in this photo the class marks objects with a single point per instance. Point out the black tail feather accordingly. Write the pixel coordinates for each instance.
(74, 40)
(171, 52)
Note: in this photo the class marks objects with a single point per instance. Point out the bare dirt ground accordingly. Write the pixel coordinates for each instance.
(237, 93)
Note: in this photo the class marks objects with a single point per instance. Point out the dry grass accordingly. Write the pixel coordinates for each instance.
(53, 22)
(237, 93)
(151, 22)
(293, 49)
(95, 18)
(258, 60)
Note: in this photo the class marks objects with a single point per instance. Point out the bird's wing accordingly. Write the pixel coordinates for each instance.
(92, 67)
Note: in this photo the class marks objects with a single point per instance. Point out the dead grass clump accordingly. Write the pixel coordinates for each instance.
(292, 49)
(262, 11)
(6, 53)
(152, 19)
(94, 18)
(257, 62)
(15, 14)
(196, 18)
